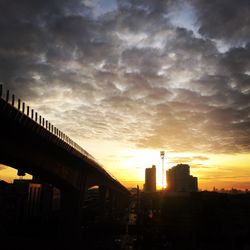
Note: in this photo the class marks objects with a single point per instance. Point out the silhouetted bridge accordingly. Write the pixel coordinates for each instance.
(30, 143)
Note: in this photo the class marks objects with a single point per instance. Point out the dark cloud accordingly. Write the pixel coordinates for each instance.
(236, 61)
(130, 75)
(224, 19)
(147, 6)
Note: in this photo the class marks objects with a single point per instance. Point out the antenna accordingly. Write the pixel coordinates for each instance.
(162, 153)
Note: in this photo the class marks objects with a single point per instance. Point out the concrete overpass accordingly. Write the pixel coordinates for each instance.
(32, 144)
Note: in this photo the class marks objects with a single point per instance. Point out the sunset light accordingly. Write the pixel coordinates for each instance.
(126, 80)
(125, 124)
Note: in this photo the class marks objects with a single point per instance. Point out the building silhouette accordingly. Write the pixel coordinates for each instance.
(150, 179)
(29, 198)
(180, 180)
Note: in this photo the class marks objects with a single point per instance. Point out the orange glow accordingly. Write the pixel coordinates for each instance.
(219, 170)
(8, 174)
(128, 166)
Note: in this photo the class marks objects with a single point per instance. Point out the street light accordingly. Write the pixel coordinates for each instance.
(162, 157)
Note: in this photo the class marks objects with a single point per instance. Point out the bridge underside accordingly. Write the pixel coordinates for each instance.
(30, 147)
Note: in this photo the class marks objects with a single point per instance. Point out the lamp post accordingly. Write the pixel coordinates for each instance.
(162, 153)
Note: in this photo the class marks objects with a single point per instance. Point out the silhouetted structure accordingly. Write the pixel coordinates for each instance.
(36, 198)
(31, 144)
(180, 180)
(150, 179)
(194, 221)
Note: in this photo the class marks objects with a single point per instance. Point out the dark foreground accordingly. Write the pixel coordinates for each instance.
(199, 221)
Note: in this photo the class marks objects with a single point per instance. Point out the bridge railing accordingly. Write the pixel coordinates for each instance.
(27, 111)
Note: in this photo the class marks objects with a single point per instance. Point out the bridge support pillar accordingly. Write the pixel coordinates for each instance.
(112, 204)
(72, 210)
(103, 194)
(71, 204)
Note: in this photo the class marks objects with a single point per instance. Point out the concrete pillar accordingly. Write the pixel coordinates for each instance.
(71, 210)
(72, 207)
(103, 194)
(109, 204)
(111, 201)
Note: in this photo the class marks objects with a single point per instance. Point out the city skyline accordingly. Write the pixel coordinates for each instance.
(205, 183)
(128, 79)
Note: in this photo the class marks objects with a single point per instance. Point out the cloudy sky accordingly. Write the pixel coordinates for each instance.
(126, 79)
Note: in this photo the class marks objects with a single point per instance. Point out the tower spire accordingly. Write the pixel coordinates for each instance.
(162, 153)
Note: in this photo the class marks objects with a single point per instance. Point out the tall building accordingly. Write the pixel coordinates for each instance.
(180, 180)
(150, 179)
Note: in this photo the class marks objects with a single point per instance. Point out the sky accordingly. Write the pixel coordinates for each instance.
(127, 79)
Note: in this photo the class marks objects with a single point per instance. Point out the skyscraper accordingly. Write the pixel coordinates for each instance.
(150, 179)
(180, 180)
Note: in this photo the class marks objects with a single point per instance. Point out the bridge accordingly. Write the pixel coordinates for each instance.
(33, 145)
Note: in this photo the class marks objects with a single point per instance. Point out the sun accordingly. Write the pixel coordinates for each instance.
(140, 159)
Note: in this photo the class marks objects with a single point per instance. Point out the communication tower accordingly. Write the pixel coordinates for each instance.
(162, 153)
